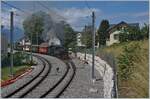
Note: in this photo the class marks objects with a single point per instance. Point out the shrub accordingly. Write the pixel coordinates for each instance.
(19, 58)
(5, 60)
(127, 59)
(131, 34)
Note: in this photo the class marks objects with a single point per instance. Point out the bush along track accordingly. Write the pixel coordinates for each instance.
(132, 67)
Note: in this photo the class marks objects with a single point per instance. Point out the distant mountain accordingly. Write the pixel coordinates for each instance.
(18, 33)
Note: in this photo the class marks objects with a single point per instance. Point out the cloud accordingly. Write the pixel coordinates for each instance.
(77, 16)
(141, 14)
(132, 15)
(5, 17)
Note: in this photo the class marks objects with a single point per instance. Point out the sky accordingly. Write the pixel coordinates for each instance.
(78, 13)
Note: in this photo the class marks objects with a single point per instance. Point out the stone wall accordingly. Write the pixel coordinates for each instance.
(105, 71)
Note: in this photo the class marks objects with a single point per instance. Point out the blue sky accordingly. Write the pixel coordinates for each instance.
(78, 14)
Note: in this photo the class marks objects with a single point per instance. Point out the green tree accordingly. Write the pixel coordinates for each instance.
(86, 37)
(145, 30)
(123, 36)
(102, 32)
(70, 37)
(33, 26)
(135, 33)
(131, 34)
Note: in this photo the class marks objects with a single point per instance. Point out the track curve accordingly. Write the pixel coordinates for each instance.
(53, 91)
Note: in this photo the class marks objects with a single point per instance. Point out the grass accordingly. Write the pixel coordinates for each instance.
(5, 71)
(21, 64)
(136, 87)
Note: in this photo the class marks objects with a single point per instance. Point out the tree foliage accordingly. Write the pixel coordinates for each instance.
(102, 32)
(134, 33)
(86, 37)
(145, 30)
(33, 26)
(70, 37)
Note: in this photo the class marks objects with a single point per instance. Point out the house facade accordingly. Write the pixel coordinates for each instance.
(115, 29)
(25, 43)
(79, 42)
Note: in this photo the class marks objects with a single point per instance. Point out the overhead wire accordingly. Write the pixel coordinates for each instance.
(8, 20)
(16, 14)
(86, 2)
(48, 9)
(12, 6)
(44, 6)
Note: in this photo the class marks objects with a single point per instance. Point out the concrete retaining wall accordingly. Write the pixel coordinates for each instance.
(105, 71)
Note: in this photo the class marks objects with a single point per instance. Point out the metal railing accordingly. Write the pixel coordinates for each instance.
(110, 59)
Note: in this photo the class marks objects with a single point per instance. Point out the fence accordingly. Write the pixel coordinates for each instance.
(106, 71)
(110, 59)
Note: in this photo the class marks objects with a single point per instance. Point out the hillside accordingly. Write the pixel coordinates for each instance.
(18, 33)
(136, 84)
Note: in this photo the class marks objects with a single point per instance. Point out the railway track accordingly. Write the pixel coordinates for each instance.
(53, 91)
(36, 80)
(63, 83)
(72, 74)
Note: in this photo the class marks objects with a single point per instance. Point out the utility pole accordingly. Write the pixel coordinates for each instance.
(37, 38)
(93, 54)
(93, 89)
(31, 54)
(31, 50)
(85, 46)
(11, 41)
(37, 33)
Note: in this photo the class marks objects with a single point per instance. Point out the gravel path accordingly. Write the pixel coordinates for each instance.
(81, 85)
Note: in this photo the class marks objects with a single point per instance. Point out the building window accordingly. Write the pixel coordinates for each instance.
(116, 36)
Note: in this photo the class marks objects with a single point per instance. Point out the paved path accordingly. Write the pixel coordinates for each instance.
(81, 85)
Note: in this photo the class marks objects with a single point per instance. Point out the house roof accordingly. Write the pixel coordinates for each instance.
(116, 25)
(45, 44)
(113, 26)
